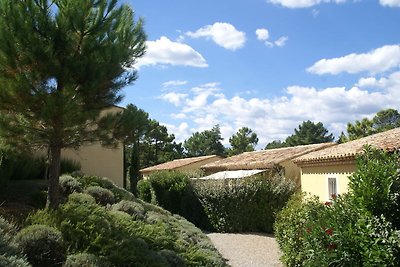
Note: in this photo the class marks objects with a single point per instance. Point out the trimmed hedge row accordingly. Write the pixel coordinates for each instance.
(228, 205)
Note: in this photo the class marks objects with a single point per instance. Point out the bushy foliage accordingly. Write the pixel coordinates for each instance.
(132, 208)
(9, 251)
(85, 260)
(42, 244)
(169, 188)
(376, 184)
(145, 191)
(355, 229)
(229, 205)
(102, 195)
(119, 193)
(122, 239)
(69, 185)
(249, 204)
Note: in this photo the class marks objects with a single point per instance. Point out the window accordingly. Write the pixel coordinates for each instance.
(332, 188)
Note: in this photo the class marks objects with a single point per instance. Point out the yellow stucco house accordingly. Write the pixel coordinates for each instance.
(188, 164)
(325, 172)
(98, 160)
(266, 159)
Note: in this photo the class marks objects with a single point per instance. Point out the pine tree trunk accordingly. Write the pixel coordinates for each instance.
(53, 195)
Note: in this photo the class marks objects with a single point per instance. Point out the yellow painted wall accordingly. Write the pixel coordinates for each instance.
(99, 161)
(314, 179)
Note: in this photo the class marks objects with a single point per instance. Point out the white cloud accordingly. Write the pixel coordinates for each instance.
(262, 34)
(276, 118)
(174, 98)
(281, 41)
(166, 52)
(302, 3)
(390, 3)
(376, 61)
(223, 34)
(174, 83)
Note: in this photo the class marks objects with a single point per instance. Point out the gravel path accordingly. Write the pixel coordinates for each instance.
(248, 250)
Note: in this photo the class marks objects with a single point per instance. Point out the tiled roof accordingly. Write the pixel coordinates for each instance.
(178, 163)
(263, 159)
(389, 140)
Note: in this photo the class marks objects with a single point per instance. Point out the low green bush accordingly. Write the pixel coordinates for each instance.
(85, 260)
(42, 244)
(102, 195)
(122, 240)
(132, 208)
(9, 252)
(69, 185)
(144, 191)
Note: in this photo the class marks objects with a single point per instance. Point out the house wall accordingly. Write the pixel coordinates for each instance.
(293, 172)
(314, 179)
(98, 160)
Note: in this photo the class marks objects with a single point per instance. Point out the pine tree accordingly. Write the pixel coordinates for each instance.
(61, 63)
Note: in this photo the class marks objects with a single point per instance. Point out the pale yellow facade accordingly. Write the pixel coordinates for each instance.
(100, 161)
(314, 179)
(96, 159)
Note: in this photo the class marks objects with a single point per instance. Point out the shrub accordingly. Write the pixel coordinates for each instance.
(375, 184)
(42, 244)
(169, 189)
(69, 185)
(121, 240)
(290, 226)
(102, 195)
(144, 190)
(249, 204)
(132, 208)
(119, 193)
(13, 261)
(85, 260)
(340, 233)
(9, 252)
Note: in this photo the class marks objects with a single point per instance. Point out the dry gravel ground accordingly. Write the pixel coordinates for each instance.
(247, 250)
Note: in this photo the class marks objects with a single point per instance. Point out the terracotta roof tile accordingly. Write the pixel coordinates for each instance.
(171, 165)
(389, 140)
(263, 159)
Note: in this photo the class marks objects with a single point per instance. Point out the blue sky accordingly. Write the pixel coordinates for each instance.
(266, 64)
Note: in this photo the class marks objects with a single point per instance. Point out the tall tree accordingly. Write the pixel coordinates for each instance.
(205, 143)
(61, 63)
(275, 144)
(309, 133)
(383, 120)
(244, 140)
(131, 128)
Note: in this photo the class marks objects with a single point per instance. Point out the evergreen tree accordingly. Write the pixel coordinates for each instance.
(244, 140)
(61, 63)
(383, 120)
(275, 144)
(131, 128)
(205, 143)
(309, 133)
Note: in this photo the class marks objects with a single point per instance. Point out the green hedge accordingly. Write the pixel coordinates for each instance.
(355, 229)
(229, 205)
